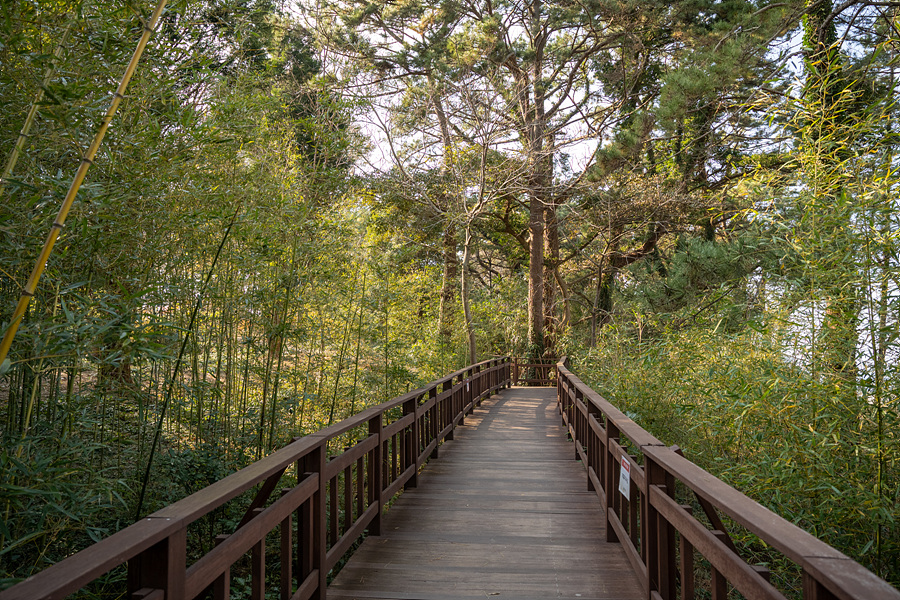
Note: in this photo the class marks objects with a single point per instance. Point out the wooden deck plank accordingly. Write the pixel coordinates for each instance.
(503, 513)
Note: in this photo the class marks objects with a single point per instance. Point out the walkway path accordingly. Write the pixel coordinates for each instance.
(503, 513)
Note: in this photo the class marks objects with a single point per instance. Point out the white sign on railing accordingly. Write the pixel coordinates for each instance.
(625, 478)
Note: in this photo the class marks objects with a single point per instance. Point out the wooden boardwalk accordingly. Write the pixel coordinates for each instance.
(503, 513)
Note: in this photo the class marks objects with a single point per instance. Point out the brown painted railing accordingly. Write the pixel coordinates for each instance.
(335, 495)
(534, 373)
(662, 537)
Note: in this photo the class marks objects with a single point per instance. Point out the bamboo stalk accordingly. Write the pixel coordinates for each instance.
(362, 298)
(32, 112)
(178, 361)
(345, 341)
(86, 162)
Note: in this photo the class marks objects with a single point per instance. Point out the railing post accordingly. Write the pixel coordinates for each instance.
(411, 443)
(314, 463)
(576, 423)
(469, 396)
(477, 385)
(287, 555)
(160, 567)
(814, 590)
(304, 529)
(507, 371)
(448, 408)
(434, 421)
(258, 567)
(593, 444)
(460, 404)
(562, 396)
(222, 584)
(559, 392)
(611, 470)
(376, 472)
(658, 533)
(466, 378)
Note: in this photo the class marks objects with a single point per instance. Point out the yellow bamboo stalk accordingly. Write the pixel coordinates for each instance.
(86, 161)
(32, 112)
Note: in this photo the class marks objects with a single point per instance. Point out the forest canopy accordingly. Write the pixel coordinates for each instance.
(302, 209)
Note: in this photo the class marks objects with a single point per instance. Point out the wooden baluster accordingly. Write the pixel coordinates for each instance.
(348, 498)
(507, 372)
(421, 432)
(258, 566)
(360, 487)
(222, 584)
(687, 563)
(601, 452)
(460, 408)
(458, 396)
(160, 567)
(612, 471)
(410, 407)
(395, 449)
(471, 392)
(763, 571)
(458, 399)
(313, 541)
(814, 590)
(560, 390)
(304, 530)
(658, 533)
(333, 512)
(719, 584)
(577, 426)
(286, 556)
(433, 421)
(376, 477)
(634, 509)
(477, 386)
(447, 409)
(386, 464)
(591, 448)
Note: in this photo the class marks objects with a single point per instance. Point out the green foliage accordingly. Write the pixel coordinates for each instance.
(698, 272)
(767, 351)
(746, 414)
(54, 500)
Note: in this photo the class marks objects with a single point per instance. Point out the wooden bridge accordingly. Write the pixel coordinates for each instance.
(514, 506)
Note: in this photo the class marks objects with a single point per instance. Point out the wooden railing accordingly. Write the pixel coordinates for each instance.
(662, 538)
(334, 496)
(534, 373)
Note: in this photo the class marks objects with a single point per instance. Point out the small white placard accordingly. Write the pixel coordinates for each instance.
(625, 478)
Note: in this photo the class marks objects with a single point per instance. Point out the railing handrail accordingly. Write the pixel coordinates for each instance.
(597, 428)
(392, 453)
(545, 368)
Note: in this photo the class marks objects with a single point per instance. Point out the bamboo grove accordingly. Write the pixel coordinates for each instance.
(303, 209)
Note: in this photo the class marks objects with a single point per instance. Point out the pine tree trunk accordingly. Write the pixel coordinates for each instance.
(448, 286)
(536, 279)
(464, 285)
(551, 260)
